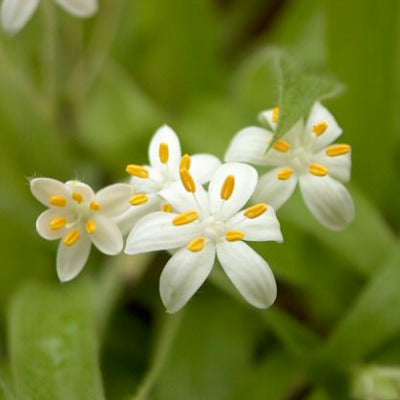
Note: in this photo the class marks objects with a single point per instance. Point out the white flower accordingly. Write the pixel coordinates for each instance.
(16, 13)
(79, 218)
(148, 181)
(209, 224)
(301, 155)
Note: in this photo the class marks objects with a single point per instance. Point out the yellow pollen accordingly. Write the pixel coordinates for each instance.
(71, 238)
(163, 152)
(95, 205)
(227, 188)
(58, 200)
(137, 170)
(77, 197)
(234, 236)
(185, 218)
(282, 145)
(275, 114)
(166, 207)
(185, 162)
(187, 180)
(256, 210)
(285, 174)
(139, 199)
(320, 128)
(337, 150)
(197, 244)
(91, 227)
(58, 223)
(318, 169)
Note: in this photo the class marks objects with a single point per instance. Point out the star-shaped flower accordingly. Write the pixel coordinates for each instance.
(79, 217)
(205, 225)
(305, 155)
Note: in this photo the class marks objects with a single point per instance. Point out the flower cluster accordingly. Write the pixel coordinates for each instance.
(201, 210)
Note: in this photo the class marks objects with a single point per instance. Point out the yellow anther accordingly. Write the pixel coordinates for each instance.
(185, 218)
(77, 197)
(282, 145)
(95, 205)
(256, 210)
(197, 244)
(337, 150)
(234, 236)
(163, 152)
(320, 128)
(72, 237)
(275, 114)
(58, 200)
(166, 207)
(58, 223)
(187, 180)
(91, 227)
(227, 187)
(285, 174)
(318, 169)
(138, 199)
(137, 170)
(185, 162)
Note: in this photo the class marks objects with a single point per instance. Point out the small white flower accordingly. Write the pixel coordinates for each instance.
(79, 217)
(148, 181)
(206, 225)
(301, 155)
(16, 13)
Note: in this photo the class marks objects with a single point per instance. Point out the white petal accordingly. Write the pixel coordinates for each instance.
(165, 135)
(81, 188)
(72, 259)
(265, 117)
(265, 227)
(339, 167)
(249, 145)
(107, 237)
(245, 183)
(43, 224)
(157, 232)
(152, 184)
(203, 167)
(79, 8)
(184, 273)
(44, 188)
(114, 199)
(16, 13)
(274, 191)
(249, 272)
(328, 200)
(320, 114)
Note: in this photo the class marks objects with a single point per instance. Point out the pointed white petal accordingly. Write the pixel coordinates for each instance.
(203, 167)
(339, 167)
(274, 191)
(79, 8)
(114, 199)
(43, 224)
(152, 184)
(184, 273)
(82, 189)
(44, 188)
(72, 259)
(249, 272)
(245, 178)
(16, 13)
(266, 118)
(328, 200)
(157, 232)
(107, 237)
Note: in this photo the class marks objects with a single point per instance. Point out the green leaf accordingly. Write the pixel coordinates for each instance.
(53, 345)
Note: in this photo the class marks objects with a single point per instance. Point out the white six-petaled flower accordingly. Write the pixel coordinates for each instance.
(305, 155)
(16, 13)
(202, 225)
(79, 217)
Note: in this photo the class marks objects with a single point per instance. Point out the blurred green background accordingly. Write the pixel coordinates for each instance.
(80, 99)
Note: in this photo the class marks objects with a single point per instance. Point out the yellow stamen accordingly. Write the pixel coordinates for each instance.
(95, 205)
(58, 200)
(185, 218)
(227, 187)
(337, 150)
(275, 114)
(72, 237)
(320, 128)
(187, 180)
(166, 207)
(285, 174)
(138, 199)
(58, 223)
(163, 152)
(77, 197)
(197, 244)
(318, 169)
(185, 162)
(282, 145)
(234, 236)
(137, 170)
(91, 227)
(256, 210)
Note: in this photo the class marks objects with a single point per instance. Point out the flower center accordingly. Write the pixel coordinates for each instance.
(213, 228)
(300, 159)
